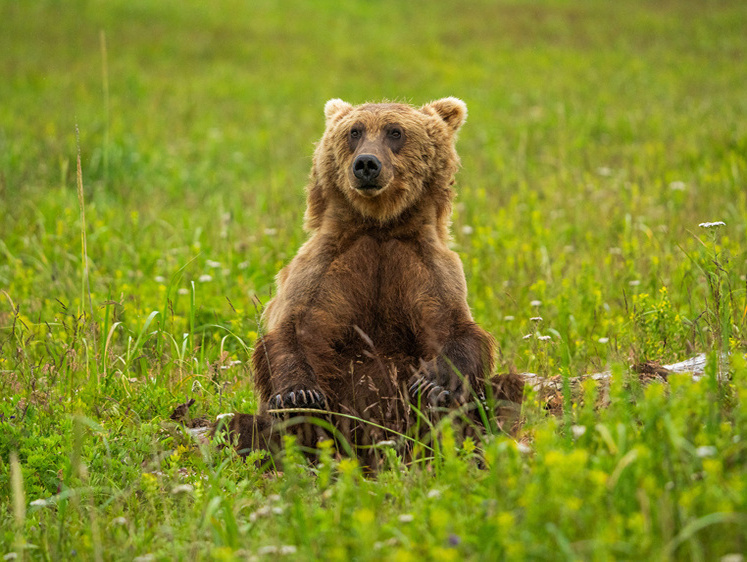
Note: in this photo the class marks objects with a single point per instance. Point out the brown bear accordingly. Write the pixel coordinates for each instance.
(370, 319)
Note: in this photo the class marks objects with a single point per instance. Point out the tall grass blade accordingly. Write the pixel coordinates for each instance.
(105, 86)
(19, 504)
(85, 283)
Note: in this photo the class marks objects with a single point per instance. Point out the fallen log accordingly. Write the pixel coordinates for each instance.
(694, 365)
(550, 389)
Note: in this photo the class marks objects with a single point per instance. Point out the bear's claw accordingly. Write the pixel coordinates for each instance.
(436, 396)
(431, 393)
(300, 398)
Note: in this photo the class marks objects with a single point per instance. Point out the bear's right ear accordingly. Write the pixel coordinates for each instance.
(336, 108)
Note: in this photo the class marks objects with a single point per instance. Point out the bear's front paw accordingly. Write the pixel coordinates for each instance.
(430, 393)
(299, 397)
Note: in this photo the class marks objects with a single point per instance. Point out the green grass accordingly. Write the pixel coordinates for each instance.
(599, 137)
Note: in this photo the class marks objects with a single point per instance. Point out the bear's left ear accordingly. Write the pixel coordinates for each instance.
(336, 108)
(452, 110)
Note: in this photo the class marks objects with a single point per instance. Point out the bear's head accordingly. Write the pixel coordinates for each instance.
(376, 161)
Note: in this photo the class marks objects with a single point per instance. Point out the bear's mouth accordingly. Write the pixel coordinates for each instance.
(368, 189)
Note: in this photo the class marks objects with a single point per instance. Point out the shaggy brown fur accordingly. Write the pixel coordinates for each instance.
(371, 316)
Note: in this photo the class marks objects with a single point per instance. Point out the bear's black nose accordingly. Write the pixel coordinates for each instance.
(366, 167)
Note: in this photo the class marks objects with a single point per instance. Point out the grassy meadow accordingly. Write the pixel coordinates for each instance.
(600, 137)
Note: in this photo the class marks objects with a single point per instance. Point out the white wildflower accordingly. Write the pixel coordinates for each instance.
(269, 549)
(527, 336)
(205, 278)
(508, 318)
(536, 319)
(243, 265)
(183, 489)
(144, 558)
(523, 448)
(271, 231)
(378, 545)
(228, 415)
(386, 443)
(287, 549)
(263, 511)
(230, 365)
(433, 494)
(535, 303)
(183, 291)
(706, 451)
(712, 224)
(634, 283)
(159, 279)
(677, 186)
(544, 338)
(578, 430)
(274, 497)
(467, 229)
(604, 171)
(406, 518)
(119, 521)
(40, 503)
(603, 340)
(213, 264)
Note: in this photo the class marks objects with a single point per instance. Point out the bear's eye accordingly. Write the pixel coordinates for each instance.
(355, 134)
(395, 134)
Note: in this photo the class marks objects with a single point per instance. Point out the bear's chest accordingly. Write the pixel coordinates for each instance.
(385, 283)
(381, 264)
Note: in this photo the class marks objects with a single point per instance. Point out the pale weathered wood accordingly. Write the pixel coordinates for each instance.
(694, 365)
(549, 390)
